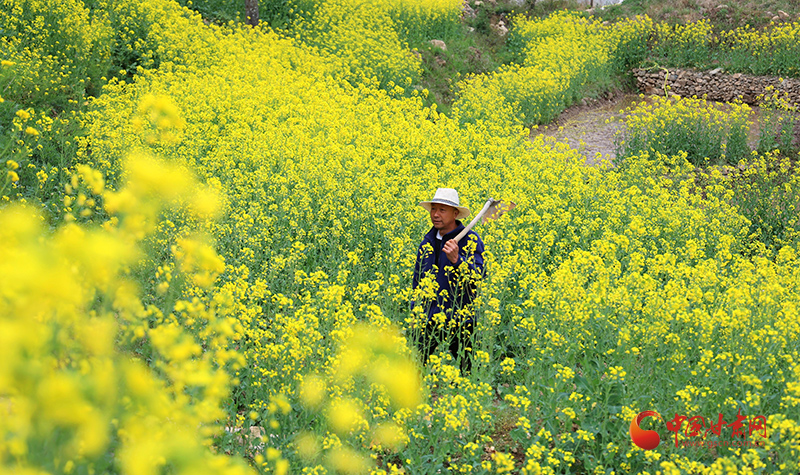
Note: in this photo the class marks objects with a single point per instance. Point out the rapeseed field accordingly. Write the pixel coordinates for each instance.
(219, 280)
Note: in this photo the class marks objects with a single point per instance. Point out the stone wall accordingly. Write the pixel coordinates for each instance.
(715, 84)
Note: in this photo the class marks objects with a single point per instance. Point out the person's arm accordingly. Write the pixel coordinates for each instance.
(455, 257)
(467, 273)
(451, 250)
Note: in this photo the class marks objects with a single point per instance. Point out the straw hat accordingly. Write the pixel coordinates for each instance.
(449, 197)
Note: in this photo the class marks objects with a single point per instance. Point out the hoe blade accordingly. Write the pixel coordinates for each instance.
(497, 209)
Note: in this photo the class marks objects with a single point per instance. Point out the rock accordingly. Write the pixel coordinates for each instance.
(783, 15)
(500, 28)
(468, 11)
(517, 3)
(476, 53)
(439, 44)
(715, 71)
(715, 85)
(776, 18)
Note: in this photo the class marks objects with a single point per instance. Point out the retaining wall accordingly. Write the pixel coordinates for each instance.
(716, 85)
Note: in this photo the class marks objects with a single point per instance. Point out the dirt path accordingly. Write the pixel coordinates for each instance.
(590, 128)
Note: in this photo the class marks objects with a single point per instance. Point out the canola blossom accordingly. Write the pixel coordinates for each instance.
(226, 283)
(69, 302)
(564, 58)
(761, 51)
(705, 132)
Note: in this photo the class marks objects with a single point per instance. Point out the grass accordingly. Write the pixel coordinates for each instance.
(724, 15)
(480, 47)
(506, 419)
(467, 54)
(602, 280)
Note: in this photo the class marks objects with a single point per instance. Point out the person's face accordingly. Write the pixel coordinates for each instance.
(443, 216)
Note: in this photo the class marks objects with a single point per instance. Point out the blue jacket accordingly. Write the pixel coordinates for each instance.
(456, 284)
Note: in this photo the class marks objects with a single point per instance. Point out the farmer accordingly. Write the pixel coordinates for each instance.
(445, 280)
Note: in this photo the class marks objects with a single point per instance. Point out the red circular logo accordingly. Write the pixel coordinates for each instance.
(646, 439)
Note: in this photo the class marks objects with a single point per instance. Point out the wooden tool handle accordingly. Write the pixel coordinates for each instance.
(474, 221)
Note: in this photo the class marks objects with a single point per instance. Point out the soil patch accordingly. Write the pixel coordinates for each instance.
(590, 127)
